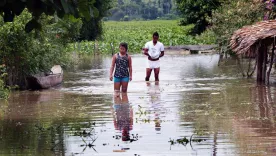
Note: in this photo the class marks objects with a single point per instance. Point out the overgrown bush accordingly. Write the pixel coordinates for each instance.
(231, 16)
(24, 53)
(4, 90)
(197, 12)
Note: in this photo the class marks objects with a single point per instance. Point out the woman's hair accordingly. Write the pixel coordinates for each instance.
(123, 44)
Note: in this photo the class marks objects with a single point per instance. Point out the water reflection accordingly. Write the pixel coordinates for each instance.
(256, 127)
(230, 114)
(265, 101)
(123, 115)
(155, 102)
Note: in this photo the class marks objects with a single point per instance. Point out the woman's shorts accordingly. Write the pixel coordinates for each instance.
(121, 79)
(153, 64)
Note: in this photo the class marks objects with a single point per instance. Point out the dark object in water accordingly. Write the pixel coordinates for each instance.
(46, 80)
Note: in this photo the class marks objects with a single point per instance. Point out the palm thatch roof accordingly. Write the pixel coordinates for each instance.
(244, 40)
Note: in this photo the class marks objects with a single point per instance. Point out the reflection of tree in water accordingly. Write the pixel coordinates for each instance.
(123, 115)
(257, 128)
(211, 111)
(37, 122)
(246, 110)
(21, 136)
(201, 71)
(264, 102)
(87, 67)
(88, 63)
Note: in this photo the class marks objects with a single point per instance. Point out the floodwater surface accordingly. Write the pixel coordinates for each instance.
(199, 107)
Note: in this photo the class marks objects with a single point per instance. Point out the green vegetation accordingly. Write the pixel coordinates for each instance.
(4, 91)
(197, 12)
(34, 34)
(92, 29)
(9, 9)
(230, 17)
(137, 33)
(24, 53)
(223, 17)
(125, 10)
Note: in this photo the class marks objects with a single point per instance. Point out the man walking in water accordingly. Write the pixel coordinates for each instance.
(154, 50)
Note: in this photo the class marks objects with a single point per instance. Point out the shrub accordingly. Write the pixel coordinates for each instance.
(29, 53)
(232, 16)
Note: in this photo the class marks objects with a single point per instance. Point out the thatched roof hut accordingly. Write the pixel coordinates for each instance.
(248, 37)
(255, 41)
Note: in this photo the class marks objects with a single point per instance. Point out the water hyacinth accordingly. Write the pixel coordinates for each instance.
(137, 33)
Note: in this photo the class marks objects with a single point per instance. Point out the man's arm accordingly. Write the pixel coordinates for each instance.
(162, 54)
(146, 49)
(162, 49)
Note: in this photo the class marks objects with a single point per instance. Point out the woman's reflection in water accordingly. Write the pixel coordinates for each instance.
(123, 115)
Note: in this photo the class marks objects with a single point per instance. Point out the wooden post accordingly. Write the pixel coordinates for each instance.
(260, 64)
(265, 64)
(271, 63)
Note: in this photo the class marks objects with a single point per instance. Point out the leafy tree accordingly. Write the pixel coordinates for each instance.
(232, 16)
(78, 8)
(92, 28)
(24, 53)
(117, 15)
(150, 13)
(146, 9)
(197, 12)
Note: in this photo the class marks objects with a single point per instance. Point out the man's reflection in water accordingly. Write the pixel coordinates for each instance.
(155, 99)
(123, 115)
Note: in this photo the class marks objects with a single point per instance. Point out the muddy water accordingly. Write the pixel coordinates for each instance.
(197, 108)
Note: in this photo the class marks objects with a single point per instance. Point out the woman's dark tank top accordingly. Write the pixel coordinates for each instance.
(121, 69)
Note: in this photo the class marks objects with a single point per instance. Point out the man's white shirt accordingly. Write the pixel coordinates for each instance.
(154, 50)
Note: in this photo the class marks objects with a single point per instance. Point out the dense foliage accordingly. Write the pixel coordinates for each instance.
(143, 10)
(24, 53)
(137, 33)
(269, 9)
(231, 16)
(9, 9)
(92, 28)
(197, 12)
(4, 90)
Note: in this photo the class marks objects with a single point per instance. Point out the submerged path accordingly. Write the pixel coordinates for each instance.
(198, 108)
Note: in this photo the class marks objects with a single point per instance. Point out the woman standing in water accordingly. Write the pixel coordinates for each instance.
(123, 69)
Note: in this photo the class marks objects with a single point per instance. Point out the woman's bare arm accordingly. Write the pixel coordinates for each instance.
(112, 68)
(130, 67)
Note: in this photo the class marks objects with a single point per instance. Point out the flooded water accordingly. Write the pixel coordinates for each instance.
(197, 108)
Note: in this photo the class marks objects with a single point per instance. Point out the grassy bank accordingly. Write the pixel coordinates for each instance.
(137, 33)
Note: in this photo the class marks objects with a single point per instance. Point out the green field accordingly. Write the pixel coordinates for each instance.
(137, 33)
